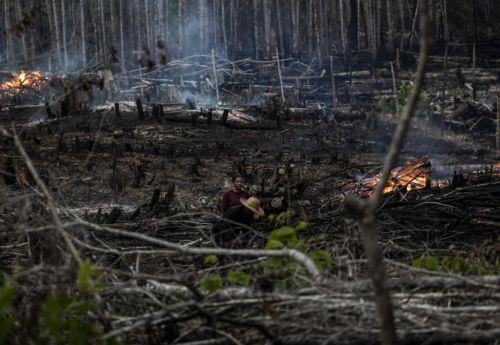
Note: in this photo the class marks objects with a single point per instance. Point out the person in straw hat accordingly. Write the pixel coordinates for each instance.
(245, 213)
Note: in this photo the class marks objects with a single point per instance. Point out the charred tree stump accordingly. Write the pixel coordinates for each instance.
(223, 119)
(48, 111)
(139, 175)
(279, 122)
(117, 110)
(60, 143)
(156, 112)
(194, 167)
(64, 108)
(209, 118)
(113, 216)
(155, 199)
(9, 172)
(194, 118)
(118, 182)
(129, 148)
(140, 109)
(161, 113)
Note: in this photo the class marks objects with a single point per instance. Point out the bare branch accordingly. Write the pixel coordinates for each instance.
(301, 258)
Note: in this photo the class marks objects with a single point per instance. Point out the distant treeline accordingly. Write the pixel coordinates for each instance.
(71, 34)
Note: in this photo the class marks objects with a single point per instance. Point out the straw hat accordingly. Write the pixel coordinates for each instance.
(253, 204)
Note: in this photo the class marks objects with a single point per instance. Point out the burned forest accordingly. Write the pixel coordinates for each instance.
(200, 172)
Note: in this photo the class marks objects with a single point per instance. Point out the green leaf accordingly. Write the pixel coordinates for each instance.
(301, 226)
(282, 284)
(459, 266)
(417, 263)
(274, 244)
(86, 275)
(431, 262)
(238, 277)
(284, 232)
(281, 218)
(211, 283)
(79, 332)
(6, 295)
(322, 258)
(52, 315)
(210, 260)
(301, 246)
(6, 326)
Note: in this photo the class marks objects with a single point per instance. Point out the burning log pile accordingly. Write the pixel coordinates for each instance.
(23, 87)
(410, 177)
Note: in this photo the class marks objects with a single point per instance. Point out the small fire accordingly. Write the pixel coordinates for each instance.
(410, 177)
(23, 83)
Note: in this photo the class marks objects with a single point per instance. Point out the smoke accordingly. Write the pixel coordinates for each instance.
(189, 95)
(38, 118)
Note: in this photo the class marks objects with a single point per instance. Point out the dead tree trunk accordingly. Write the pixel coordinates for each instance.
(148, 25)
(402, 20)
(202, 29)
(103, 29)
(9, 44)
(112, 19)
(379, 28)
(180, 25)
(316, 32)
(224, 28)
(280, 37)
(82, 33)
(474, 21)
(310, 27)
(64, 34)
(167, 22)
(24, 46)
(445, 20)
(295, 27)
(58, 34)
(445, 79)
(498, 126)
(390, 25)
(122, 39)
(256, 28)
(343, 35)
(334, 88)
(267, 27)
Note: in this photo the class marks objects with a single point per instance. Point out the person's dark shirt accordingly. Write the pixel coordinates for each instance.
(231, 198)
(239, 214)
(225, 232)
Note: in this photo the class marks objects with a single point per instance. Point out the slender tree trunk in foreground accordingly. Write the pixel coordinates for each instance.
(365, 212)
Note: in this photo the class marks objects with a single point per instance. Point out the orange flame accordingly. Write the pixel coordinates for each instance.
(23, 83)
(410, 177)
